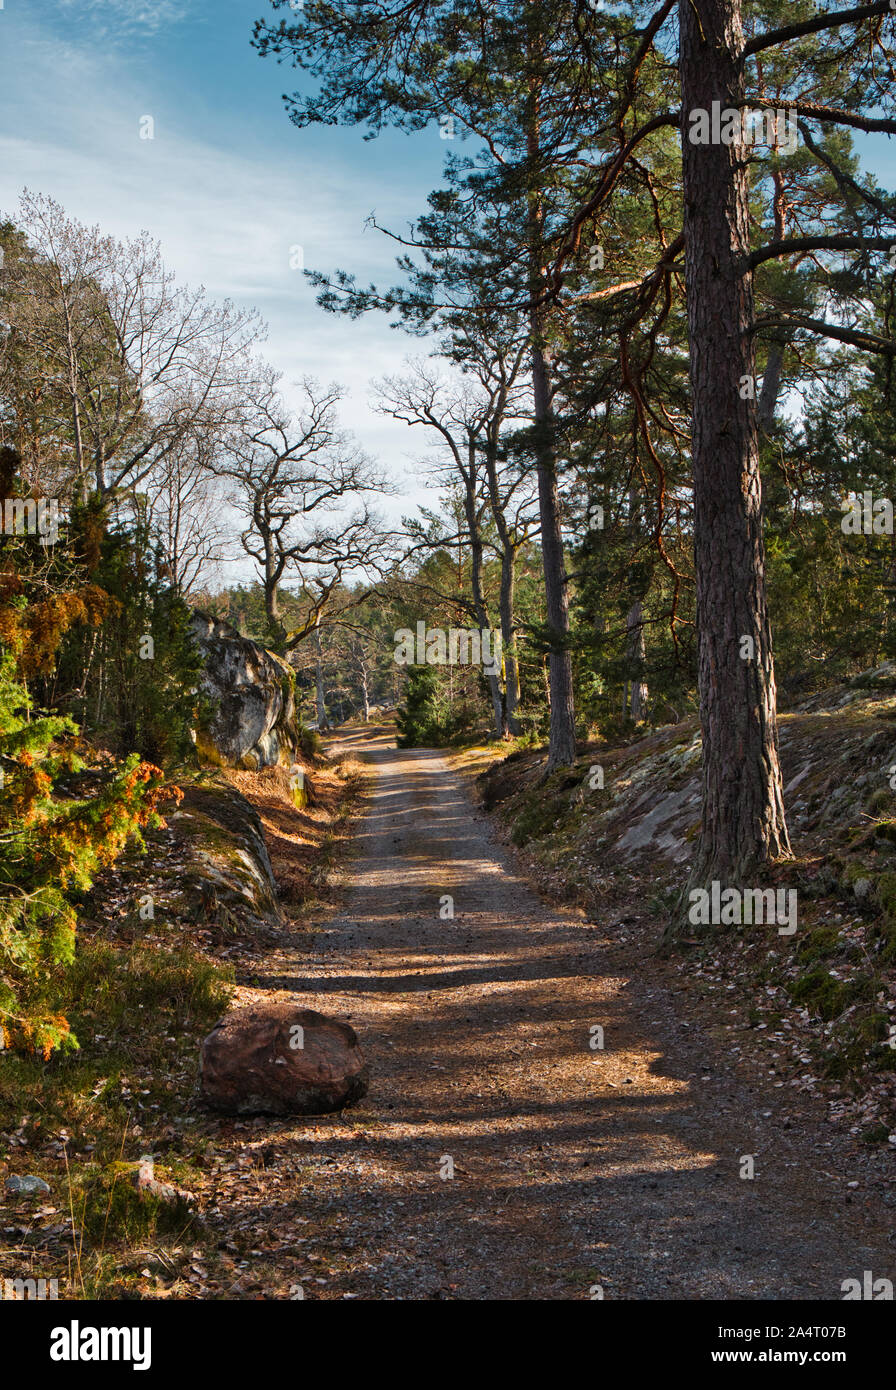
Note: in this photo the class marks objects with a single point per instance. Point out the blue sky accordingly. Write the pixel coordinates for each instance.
(228, 184)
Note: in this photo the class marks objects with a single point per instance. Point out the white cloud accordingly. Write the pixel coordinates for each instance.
(224, 219)
(124, 19)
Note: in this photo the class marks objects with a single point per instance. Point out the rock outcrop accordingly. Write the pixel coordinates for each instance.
(225, 871)
(277, 1059)
(252, 690)
(638, 804)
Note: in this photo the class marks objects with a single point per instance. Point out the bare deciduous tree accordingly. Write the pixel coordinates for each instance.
(139, 362)
(185, 508)
(293, 475)
(461, 417)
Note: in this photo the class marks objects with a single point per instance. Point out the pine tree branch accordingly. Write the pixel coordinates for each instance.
(856, 337)
(790, 246)
(835, 20)
(834, 116)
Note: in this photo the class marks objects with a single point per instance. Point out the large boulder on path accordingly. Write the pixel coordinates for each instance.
(277, 1059)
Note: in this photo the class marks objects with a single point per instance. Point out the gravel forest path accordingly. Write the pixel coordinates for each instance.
(574, 1166)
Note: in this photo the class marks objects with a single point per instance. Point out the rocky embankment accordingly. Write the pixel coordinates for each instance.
(210, 865)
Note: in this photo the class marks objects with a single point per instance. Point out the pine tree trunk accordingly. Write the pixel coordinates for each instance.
(637, 654)
(508, 642)
(498, 716)
(562, 741)
(562, 744)
(771, 386)
(743, 824)
(475, 533)
(505, 604)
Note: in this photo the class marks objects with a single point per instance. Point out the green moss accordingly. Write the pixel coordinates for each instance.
(536, 821)
(881, 799)
(107, 1206)
(875, 1134)
(861, 1047)
(824, 995)
(287, 686)
(870, 1029)
(310, 742)
(886, 930)
(852, 872)
(820, 944)
(116, 985)
(886, 895)
(207, 749)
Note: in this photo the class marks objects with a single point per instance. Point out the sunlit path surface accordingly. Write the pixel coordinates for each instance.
(573, 1166)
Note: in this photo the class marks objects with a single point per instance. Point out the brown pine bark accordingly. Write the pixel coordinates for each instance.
(562, 741)
(508, 642)
(636, 650)
(474, 530)
(508, 552)
(743, 824)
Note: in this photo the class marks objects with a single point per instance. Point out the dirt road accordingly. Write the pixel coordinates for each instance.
(574, 1166)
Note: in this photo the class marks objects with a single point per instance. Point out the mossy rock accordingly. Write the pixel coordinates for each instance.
(227, 857)
(287, 684)
(252, 694)
(851, 875)
(826, 881)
